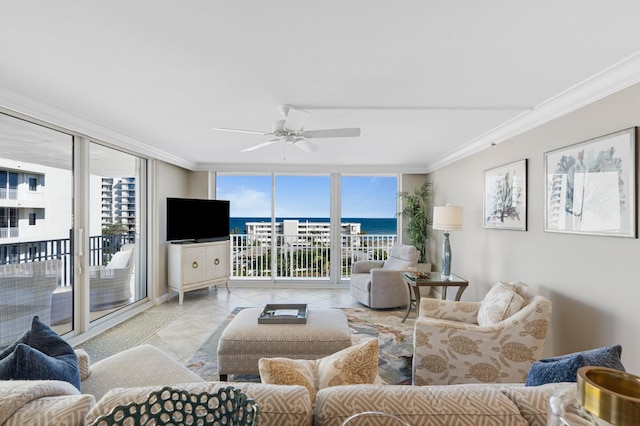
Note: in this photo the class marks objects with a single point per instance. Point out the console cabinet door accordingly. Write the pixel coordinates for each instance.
(217, 261)
(194, 265)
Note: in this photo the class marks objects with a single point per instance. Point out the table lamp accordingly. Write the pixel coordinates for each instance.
(447, 218)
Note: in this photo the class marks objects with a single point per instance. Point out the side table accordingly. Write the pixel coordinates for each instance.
(432, 279)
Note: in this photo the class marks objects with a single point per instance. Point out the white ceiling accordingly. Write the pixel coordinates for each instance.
(426, 81)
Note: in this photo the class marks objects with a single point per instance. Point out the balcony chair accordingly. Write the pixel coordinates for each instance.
(26, 290)
(110, 285)
(378, 284)
(492, 341)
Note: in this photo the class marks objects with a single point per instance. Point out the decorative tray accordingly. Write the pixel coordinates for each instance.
(283, 314)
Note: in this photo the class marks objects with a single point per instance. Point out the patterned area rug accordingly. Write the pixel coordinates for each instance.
(127, 334)
(395, 337)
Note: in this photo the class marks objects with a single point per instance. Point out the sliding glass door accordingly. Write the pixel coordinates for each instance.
(37, 238)
(36, 204)
(117, 229)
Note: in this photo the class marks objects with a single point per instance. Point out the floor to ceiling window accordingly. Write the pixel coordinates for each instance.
(250, 224)
(368, 207)
(302, 211)
(38, 236)
(282, 227)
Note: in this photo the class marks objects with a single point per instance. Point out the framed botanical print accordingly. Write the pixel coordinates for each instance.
(505, 196)
(590, 187)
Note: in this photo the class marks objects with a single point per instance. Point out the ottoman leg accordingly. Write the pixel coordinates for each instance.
(223, 377)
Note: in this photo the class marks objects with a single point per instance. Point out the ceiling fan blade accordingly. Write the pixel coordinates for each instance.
(242, 131)
(295, 119)
(262, 145)
(305, 145)
(333, 133)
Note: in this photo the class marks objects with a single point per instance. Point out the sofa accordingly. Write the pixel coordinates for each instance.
(131, 375)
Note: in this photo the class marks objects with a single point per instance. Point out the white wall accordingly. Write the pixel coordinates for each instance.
(170, 181)
(592, 281)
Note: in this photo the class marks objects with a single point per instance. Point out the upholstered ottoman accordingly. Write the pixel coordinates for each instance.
(244, 341)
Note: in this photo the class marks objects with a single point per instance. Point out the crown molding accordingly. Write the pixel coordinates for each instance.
(310, 168)
(611, 80)
(32, 108)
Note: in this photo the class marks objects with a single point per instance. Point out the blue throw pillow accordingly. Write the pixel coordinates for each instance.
(40, 354)
(565, 368)
(9, 349)
(555, 370)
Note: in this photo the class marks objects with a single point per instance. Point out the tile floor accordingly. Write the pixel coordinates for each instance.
(204, 310)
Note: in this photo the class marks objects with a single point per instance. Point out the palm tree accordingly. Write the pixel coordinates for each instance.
(414, 213)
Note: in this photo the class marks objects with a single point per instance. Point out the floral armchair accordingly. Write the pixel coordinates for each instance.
(492, 341)
(378, 284)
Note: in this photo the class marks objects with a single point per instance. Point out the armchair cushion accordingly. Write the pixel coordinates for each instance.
(466, 312)
(364, 266)
(500, 303)
(119, 260)
(401, 258)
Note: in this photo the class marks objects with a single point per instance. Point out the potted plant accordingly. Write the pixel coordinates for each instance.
(414, 213)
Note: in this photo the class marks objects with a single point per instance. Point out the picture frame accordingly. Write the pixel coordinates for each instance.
(505, 197)
(590, 187)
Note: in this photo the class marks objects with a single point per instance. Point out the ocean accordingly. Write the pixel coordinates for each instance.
(370, 226)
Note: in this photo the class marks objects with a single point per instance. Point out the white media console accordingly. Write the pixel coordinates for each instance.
(193, 266)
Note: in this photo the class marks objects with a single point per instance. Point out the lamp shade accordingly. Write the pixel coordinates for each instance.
(448, 218)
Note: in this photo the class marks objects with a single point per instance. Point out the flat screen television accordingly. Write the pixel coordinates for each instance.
(194, 220)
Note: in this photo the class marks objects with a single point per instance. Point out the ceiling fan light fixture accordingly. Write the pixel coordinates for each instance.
(305, 145)
(291, 131)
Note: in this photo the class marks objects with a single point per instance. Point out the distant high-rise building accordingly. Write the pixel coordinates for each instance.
(119, 202)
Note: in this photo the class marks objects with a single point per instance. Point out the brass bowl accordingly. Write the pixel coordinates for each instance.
(611, 395)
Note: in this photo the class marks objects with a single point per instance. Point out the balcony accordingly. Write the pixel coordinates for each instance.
(301, 256)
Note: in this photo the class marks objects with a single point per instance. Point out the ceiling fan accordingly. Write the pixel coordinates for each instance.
(291, 131)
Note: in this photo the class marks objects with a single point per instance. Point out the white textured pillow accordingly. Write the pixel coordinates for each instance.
(500, 303)
(119, 260)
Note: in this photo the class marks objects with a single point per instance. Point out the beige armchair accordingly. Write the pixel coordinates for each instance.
(111, 285)
(25, 291)
(378, 284)
(493, 341)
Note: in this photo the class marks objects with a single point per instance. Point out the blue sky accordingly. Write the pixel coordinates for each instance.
(308, 196)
